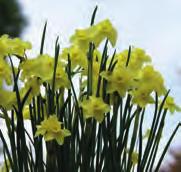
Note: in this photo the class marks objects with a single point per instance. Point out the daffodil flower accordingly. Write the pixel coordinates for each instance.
(42, 67)
(4, 46)
(14, 46)
(51, 129)
(5, 166)
(106, 30)
(34, 84)
(94, 107)
(153, 80)
(5, 72)
(26, 112)
(77, 56)
(18, 47)
(142, 97)
(7, 99)
(134, 158)
(120, 80)
(138, 58)
(170, 105)
(96, 34)
(147, 134)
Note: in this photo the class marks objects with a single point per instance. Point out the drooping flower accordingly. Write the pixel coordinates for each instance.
(170, 105)
(120, 80)
(4, 46)
(26, 112)
(51, 129)
(152, 80)
(105, 29)
(147, 134)
(18, 47)
(137, 59)
(142, 97)
(13, 46)
(96, 34)
(42, 67)
(77, 56)
(94, 107)
(134, 158)
(5, 72)
(34, 84)
(7, 99)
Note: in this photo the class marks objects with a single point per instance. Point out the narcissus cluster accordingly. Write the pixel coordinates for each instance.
(132, 73)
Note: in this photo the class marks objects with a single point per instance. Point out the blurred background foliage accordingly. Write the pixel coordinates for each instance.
(12, 21)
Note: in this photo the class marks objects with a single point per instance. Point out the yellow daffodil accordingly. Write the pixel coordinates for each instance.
(5, 166)
(77, 56)
(95, 34)
(94, 107)
(137, 59)
(7, 99)
(120, 80)
(26, 112)
(14, 46)
(4, 46)
(170, 105)
(105, 30)
(152, 80)
(18, 46)
(147, 134)
(134, 158)
(61, 79)
(51, 129)
(34, 83)
(5, 72)
(82, 38)
(142, 97)
(42, 67)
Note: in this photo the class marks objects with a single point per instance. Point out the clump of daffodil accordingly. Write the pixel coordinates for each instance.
(170, 105)
(96, 34)
(42, 67)
(51, 129)
(94, 107)
(15, 46)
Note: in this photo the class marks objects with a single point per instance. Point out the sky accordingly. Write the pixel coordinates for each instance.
(154, 25)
